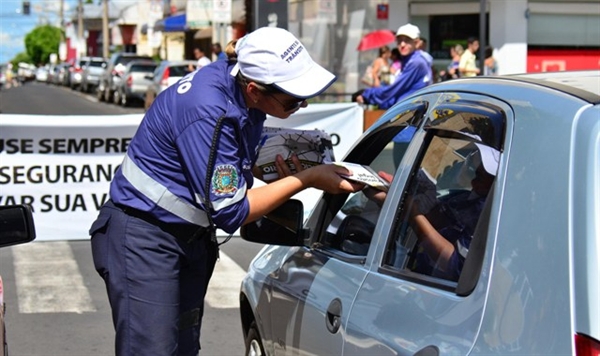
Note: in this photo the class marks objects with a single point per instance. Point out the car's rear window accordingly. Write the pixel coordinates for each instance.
(179, 70)
(95, 64)
(147, 68)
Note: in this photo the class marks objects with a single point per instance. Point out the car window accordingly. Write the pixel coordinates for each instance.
(442, 208)
(349, 220)
(142, 68)
(179, 70)
(126, 59)
(95, 63)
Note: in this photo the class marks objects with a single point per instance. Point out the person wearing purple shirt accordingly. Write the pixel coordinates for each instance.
(415, 75)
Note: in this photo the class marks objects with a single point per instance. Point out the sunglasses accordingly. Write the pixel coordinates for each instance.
(290, 106)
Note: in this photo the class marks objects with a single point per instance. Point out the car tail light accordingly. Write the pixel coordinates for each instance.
(165, 78)
(586, 346)
(129, 80)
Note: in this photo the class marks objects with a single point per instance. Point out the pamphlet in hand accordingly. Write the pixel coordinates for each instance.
(365, 175)
(313, 147)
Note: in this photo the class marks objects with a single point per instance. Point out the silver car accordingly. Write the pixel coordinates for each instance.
(487, 241)
(133, 83)
(166, 74)
(93, 67)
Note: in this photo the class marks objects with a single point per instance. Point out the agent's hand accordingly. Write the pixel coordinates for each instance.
(377, 195)
(327, 177)
(283, 168)
(355, 97)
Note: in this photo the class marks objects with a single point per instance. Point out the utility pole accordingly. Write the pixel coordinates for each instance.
(80, 27)
(80, 19)
(105, 29)
(61, 15)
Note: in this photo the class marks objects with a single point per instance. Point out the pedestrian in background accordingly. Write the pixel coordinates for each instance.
(188, 171)
(380, 68)
(396, 66)
(415, 75)
(452, 71)
(201, 57)
(422, 48)
(468, 61)
(490, 65)
(416, 72)
(217, 51)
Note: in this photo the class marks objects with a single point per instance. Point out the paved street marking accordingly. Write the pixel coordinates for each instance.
(224, 287)
(48, 279)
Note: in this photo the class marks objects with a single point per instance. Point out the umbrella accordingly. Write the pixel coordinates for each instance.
(376, 39)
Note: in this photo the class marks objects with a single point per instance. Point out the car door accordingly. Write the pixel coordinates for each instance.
(313, 290)
(415, 299)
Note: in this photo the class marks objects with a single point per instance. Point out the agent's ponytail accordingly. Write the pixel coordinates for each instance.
(230, 50)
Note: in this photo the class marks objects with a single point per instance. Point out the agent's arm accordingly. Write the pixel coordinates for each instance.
(326, 177)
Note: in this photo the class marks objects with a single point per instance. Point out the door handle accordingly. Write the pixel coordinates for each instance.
(333, 317)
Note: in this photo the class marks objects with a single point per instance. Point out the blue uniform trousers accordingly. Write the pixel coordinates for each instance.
(156, 282)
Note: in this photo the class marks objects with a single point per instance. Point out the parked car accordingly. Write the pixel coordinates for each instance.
(76, 72)
(16, 227)
(133, 83)
(165, 75)
(41, 74)
(90, 76)
(110, 78)
(52, 74)
(510, 268)
(63, 74)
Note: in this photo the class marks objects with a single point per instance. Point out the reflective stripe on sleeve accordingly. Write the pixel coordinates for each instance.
(160, 195)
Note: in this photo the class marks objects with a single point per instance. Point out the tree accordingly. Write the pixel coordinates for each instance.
(41, 42)
(20, 58)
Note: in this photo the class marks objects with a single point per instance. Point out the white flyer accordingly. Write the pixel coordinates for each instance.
(366, 175)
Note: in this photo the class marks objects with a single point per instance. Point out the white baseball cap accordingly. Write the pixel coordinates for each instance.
(490, 157)
(273, 56)
(409, 30)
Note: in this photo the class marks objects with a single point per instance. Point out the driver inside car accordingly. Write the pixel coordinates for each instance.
(445, 230)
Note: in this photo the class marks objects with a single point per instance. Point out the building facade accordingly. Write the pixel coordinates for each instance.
(527, 35)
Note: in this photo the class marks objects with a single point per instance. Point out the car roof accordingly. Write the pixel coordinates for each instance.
(583, 84)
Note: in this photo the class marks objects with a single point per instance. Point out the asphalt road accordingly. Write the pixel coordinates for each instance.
(55, 301)
(46, 99)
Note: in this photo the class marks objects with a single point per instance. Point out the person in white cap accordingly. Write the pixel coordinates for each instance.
(415, 75)
(188, 171)
(446, 229)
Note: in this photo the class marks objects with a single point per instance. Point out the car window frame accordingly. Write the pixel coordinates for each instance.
(482, 236)
(381, 133)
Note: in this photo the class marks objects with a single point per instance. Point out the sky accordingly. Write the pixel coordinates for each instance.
(14, 26)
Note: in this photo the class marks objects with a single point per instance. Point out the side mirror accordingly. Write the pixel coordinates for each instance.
(16, 225)
(282, 226)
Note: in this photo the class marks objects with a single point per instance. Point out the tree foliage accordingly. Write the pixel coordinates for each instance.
(41, 42)
(19, 58)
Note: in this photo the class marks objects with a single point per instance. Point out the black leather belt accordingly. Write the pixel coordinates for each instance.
(185, 232)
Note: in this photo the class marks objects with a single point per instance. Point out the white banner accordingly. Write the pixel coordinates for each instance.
(62, 165)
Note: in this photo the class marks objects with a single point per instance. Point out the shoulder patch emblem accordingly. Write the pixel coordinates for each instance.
(225, 180)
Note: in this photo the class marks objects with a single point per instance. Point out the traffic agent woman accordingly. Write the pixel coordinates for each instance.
(151, 242)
